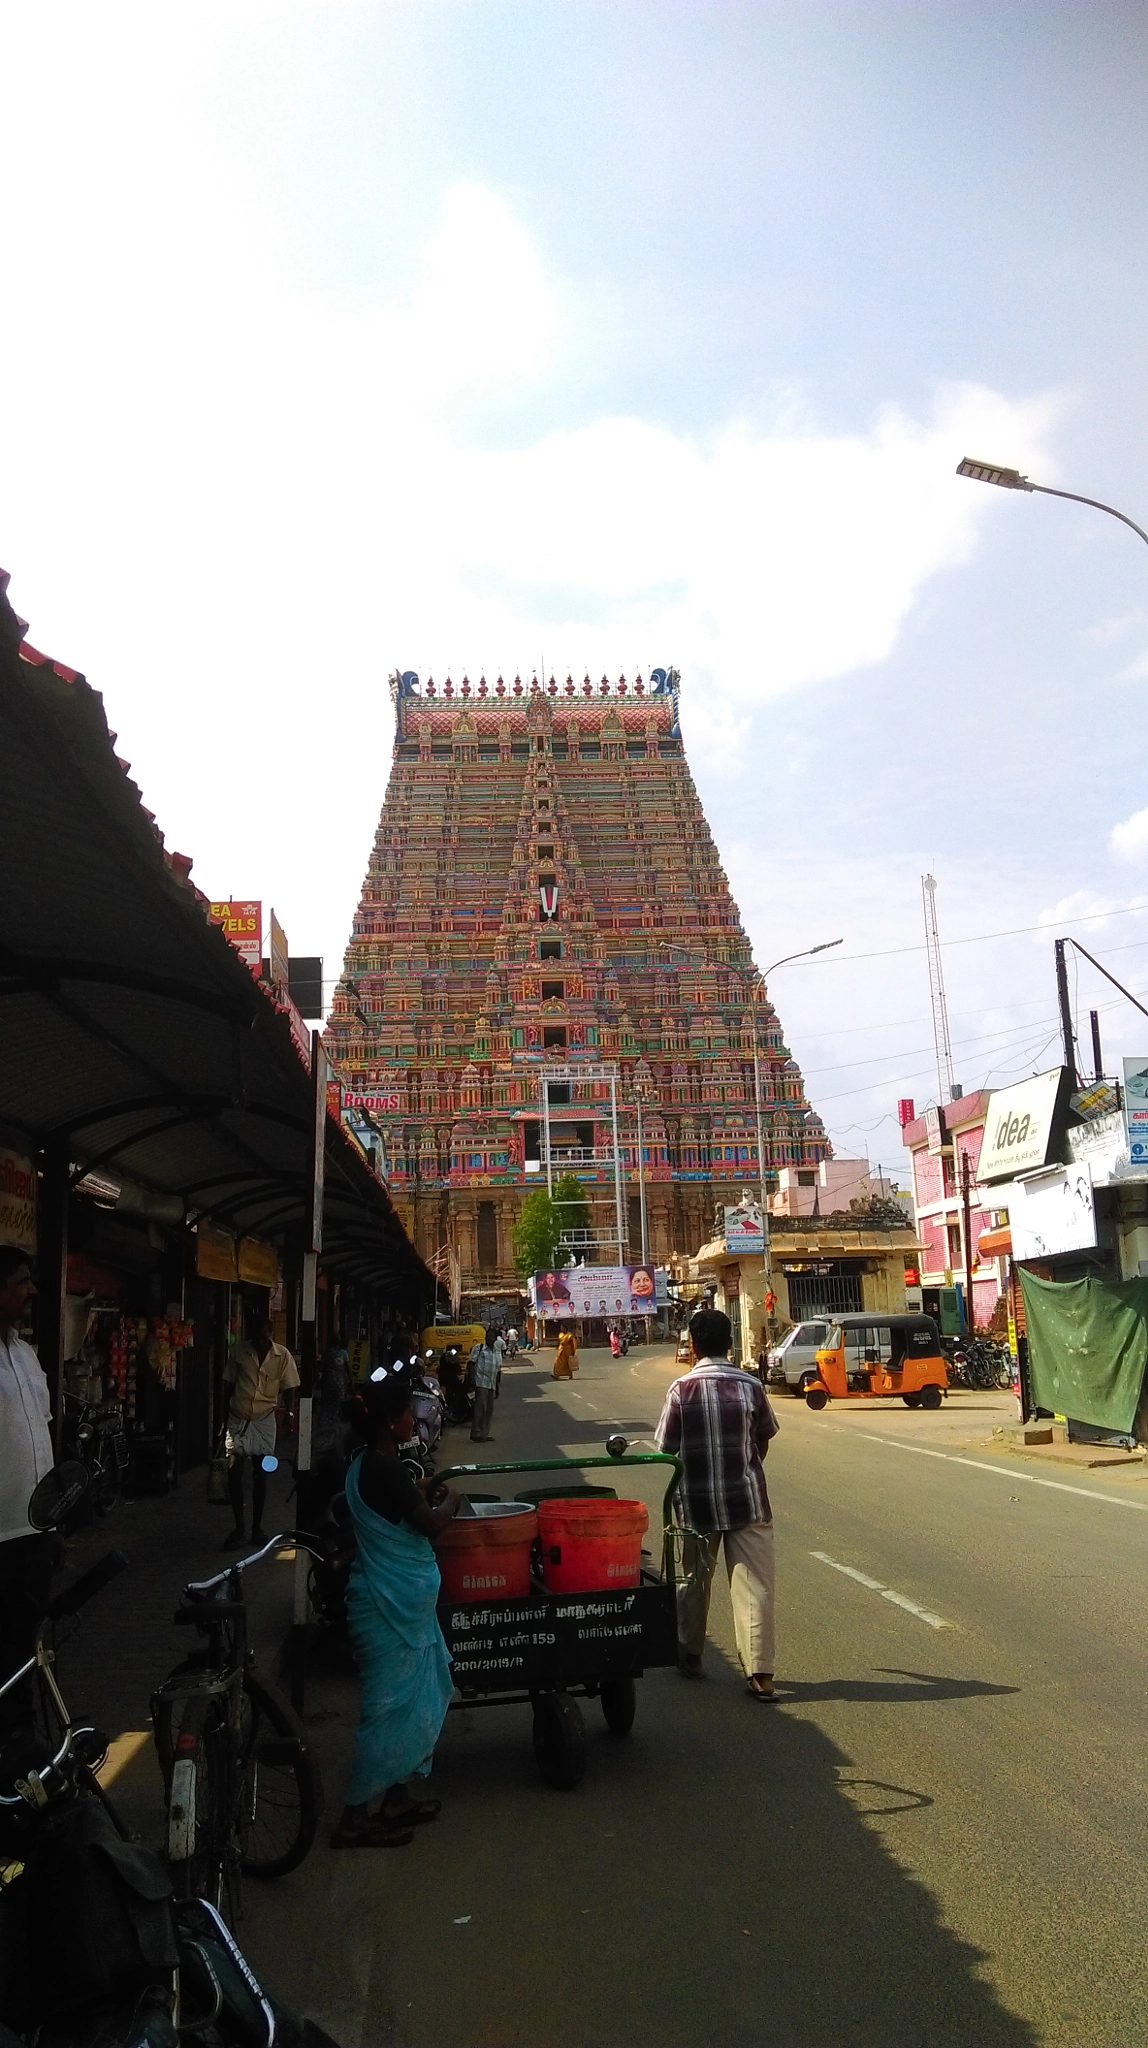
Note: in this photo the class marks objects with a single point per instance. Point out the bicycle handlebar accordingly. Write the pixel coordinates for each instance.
(288, 1539)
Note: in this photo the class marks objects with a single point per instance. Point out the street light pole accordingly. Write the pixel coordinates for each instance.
(1012, 480)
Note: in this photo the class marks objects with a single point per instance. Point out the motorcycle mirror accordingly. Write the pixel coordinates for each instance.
(269, 1464)
(617, 1446)
(61, 1491)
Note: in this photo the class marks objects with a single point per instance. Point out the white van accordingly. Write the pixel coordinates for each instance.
(796, 1355)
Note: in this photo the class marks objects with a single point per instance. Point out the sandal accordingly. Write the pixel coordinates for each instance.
(760, 1686)
(415, 1815)
(376, 1834)
(691, 1667)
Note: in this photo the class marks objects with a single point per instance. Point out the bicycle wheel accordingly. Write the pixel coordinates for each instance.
(278, 1791)
(201, 1850)
(282, 1792)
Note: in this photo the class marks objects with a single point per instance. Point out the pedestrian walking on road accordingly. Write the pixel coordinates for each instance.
(487, 1358)
(566, 1356)
(718, 1420)
(261, 1374)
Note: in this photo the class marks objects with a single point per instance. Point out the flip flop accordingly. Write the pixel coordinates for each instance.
(691, 1667)
(415, 1815)
(375, 1835)
(759, 1687)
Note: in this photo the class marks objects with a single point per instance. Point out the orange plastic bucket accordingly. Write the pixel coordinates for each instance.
(591, 1546)
(486, 1556)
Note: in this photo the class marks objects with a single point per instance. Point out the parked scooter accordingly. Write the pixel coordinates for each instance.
(93, 1951)
(428, 1407)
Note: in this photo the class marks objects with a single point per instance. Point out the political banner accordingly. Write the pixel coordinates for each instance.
(572, 1291)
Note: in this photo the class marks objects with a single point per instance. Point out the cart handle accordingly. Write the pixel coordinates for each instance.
(584, 1465)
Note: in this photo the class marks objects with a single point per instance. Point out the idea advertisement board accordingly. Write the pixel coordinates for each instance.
(1019, 1127)
(573, 1291)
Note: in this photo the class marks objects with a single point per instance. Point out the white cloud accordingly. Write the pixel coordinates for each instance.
(1129, 841)
(236, 500)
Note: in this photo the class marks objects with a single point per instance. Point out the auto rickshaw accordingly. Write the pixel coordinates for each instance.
(872, 1357)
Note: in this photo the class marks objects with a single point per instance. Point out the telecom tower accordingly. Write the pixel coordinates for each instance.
(937, 991)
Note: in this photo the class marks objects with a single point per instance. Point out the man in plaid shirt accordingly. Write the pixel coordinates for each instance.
(718, 1421)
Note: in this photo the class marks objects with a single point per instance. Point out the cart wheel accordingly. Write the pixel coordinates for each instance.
(930, 1396)
(559, 1740)
(911, 1400)
(619, 1697)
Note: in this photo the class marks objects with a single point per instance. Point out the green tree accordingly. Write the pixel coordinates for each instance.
(571, 1204)
(536, 1233)
(541, 1221)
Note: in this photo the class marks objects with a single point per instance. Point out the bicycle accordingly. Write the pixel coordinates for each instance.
(241, 1784)
(95, 1436)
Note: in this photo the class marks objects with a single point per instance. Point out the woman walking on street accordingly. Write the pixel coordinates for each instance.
(399, 1649)
(566, 1357)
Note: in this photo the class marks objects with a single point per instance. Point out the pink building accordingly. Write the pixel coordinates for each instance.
(939, 1143)
(830, 1185)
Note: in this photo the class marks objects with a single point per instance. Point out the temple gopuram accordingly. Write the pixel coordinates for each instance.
(544, 892)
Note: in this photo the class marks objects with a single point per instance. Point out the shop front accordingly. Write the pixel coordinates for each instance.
(159, 1123)
(810, 1270)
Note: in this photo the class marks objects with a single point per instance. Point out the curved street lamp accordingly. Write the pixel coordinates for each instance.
(1012, 480)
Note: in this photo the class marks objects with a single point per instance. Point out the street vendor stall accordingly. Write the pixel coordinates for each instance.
(588, 1621)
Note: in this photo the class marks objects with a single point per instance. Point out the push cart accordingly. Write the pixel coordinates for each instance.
(549, 1650)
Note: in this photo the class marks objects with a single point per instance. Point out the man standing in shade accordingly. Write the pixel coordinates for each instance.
(718, 1421)
(26, 1456)
(261, 1374)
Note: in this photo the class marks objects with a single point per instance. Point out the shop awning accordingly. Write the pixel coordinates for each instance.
(133, 1039)
(993, 1244)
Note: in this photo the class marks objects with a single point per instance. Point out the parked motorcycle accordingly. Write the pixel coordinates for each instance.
(94, 1953)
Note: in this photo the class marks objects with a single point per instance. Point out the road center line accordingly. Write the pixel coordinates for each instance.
(875, 1586)
(1111, 1500)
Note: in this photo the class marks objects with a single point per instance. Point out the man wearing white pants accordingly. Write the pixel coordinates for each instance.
(718, 1421)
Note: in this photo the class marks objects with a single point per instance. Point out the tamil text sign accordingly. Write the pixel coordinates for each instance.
(17, 1201)
(596, 1291)
(1019, 1127)
(1136, 1109)
(243, 924)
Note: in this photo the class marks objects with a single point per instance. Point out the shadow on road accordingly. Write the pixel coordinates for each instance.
(718, 1878)
(915, 1685)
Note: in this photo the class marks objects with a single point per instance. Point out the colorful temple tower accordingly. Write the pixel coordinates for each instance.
(544, 891)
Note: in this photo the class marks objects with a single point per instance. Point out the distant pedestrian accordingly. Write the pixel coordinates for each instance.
(487, 1358)
(261, 1374)
(718, 1420)
(566, 1356)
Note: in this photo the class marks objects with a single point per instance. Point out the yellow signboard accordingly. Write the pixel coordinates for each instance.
(17, 1201)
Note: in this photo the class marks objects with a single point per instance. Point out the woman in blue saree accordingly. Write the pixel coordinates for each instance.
(399, 1648)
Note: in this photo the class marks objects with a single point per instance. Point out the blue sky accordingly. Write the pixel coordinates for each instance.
(345, 337)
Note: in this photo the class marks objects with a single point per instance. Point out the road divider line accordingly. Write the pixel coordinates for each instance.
(1111, 1500)
(876, 1586)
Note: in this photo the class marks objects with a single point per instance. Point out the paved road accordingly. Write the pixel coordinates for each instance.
(937, 1837)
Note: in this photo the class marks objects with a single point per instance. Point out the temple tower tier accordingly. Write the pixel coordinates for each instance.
(544, 891)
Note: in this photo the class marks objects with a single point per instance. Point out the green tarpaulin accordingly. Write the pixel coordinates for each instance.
(1087, 1347)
